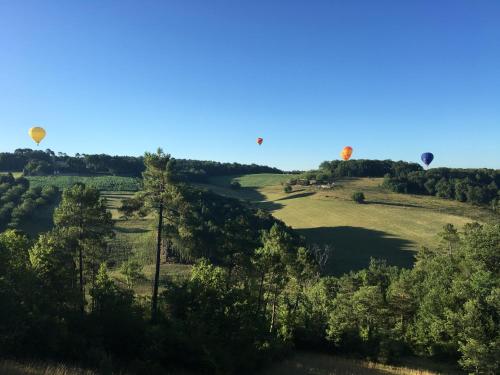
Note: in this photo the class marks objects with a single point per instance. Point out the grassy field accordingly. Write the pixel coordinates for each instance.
(252, 180)
(389, 225)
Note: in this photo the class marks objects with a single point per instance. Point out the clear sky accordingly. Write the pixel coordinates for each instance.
(203, 79)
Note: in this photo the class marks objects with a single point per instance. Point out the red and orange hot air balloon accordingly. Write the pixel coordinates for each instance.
(346, 153)
(260, 140)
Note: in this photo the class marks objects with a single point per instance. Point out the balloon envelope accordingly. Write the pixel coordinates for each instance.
(346, 153)
(260, 140)
(37, 134)
(427, 158)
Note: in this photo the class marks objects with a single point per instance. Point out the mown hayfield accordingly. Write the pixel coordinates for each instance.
(323, 364)
(250, 185)
(252, 180)
(389, 225)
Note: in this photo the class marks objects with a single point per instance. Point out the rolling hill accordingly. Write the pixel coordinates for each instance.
(389, 225)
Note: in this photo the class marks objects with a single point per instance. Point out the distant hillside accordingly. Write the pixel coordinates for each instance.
(479, 186)
(44, 163)
(103, 183)
(389, 225)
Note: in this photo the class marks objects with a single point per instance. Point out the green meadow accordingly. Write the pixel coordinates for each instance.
(389, 225)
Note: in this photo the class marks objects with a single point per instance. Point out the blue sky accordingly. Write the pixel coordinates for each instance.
(203, 79)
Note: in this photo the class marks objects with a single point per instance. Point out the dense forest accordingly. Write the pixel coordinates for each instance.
(477, 186)
(41, 163)
(329, 170)
(255, 291)
(18, 201)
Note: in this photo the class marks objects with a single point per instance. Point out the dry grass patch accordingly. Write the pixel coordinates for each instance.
(322, 364)
(14, 368)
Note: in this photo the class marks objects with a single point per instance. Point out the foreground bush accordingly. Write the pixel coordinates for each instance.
(358, 197)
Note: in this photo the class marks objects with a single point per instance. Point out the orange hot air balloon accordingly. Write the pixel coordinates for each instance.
(260, 140)
(346, 153)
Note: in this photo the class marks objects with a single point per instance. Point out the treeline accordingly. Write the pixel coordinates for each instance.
(330, 170)
(200, 171)
(41, 163)
(476, 186)
(18, 201)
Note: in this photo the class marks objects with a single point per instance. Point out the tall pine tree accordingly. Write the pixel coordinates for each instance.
(83, 215)
(158, 185)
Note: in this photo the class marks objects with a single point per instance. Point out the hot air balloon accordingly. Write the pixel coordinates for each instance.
(37, 134)
(260, 140)
(346, 153)
(427, 158)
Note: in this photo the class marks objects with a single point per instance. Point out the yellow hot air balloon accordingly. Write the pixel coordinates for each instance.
(37, 134)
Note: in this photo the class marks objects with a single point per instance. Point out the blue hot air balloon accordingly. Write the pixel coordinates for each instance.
(427, 158)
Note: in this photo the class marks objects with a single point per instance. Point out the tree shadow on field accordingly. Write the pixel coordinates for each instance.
(301, 195)
(352, 247)
(130, 229)
(267, 205)
(394, 204)
(249, 195)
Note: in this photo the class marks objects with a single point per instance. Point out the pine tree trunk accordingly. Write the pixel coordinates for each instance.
(261, 290)
(167, 250)
(273, 314)
(82, 290)
(80, 260)
(154, 300)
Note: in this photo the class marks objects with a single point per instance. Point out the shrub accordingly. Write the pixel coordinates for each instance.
(358, 197)
(235, 185)
(287, 188)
